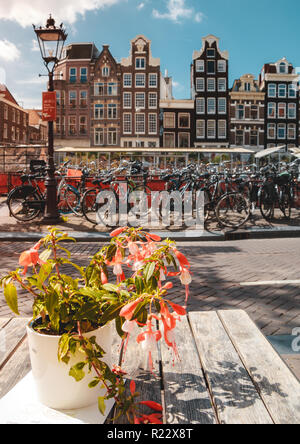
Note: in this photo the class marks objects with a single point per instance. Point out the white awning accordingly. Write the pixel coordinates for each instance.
(268, 151)
(144, 150)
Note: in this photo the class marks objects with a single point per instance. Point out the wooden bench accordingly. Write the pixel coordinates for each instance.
(228, 372)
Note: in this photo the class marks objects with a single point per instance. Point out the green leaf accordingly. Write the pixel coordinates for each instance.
(52, 304)
(77, 371)
(110, 287)
(149, 270)
(63, 346)
(11, 297)
(94, 383)
(44, 273)
(139, 285)
(111, 313)
(89, 311)
(44, 256)
(101, 405)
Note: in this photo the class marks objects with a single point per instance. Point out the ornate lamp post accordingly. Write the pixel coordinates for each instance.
(51, 41)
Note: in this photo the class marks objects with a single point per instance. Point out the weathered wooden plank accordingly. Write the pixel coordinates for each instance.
(187, 398)
(279, 388)
(11, 335)
(234, 394)
(4, 321)
(15, 369)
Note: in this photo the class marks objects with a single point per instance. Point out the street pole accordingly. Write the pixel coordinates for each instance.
(51, 211)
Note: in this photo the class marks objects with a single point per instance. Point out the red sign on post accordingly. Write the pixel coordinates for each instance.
(49, 106)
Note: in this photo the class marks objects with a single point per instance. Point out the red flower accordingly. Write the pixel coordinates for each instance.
(118, 231)
(181, 258)
(178, 309)
(128, 310)
(153, 405)
(132, 387)
(30, 258)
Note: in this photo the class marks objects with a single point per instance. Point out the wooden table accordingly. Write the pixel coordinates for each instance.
(228, 372)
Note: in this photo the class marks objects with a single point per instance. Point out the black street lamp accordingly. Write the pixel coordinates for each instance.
(51, 41)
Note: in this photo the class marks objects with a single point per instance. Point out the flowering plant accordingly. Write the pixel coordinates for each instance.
(71, 307)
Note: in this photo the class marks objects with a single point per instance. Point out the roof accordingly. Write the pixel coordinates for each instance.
(4, 92)
(81, 51)
(268, 151)
(238, 150)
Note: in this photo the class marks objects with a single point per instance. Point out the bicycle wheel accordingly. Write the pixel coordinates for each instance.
(233, 210)
(69, 201)
(285, 204)
(100, 212)
(266, 205)
(25, 204)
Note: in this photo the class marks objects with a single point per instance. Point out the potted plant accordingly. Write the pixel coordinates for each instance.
(74, 318)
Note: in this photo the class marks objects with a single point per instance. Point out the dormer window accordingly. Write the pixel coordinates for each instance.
(211, 53)
(283, 68)
(140, 63)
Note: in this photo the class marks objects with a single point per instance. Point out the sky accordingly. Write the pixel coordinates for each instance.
(259, 32)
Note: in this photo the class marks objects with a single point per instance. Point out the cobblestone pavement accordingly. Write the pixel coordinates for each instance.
(219, 270)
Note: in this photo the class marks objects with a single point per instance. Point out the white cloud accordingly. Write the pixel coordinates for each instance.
(177, 11)
(26, 12)
(35, 46)
(141, 6)
(33, 81)
(8, 51)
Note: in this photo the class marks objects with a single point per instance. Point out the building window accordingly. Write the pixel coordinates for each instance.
(271, 131)
(281, 131)
(184, 121)
(127, 100)
(152, 80)
(169, 140)
(282, 90)
(292, 110)
(247, 87)
(112, 89)
(211, 129)
(239, 138)
(83, 125)
(222, 132)
(183, 140)
(271, 110)
(153, 100)
(72, 125)
(169, 120)
(211, 85)
(254, 112)
(222, 105)
(83, 75)
(283, 68)
(221, 65)
(127, 123)
(222, 85)
(105, 71)
(140, 123)
(112, 111)
(292, 91)
(240, 112)
(199, 65)
(200, 84)
(5, 112)
(140, 80)
(211, 67)
(112, 136)
(127, 81)
(200, 105)
(99, 136)
(73, 75)
(200, 129)
(99, 111)
(57, 99)
(83, 99)
(13, 115)
(291, 131)
(140, 63)
(57, 125)
(72, 98)
(5, 132)
(211, 106)
(99, 89)
(140, 100)
(211, 53)
(272, 90)
(254, 138)
(152, 124)
(281, 110)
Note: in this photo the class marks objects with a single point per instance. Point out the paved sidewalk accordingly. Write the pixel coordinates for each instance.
(261, 277)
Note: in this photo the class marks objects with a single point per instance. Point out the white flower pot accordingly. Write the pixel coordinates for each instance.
(55, 388)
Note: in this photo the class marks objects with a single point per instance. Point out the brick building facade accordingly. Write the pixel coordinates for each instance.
(13, 120)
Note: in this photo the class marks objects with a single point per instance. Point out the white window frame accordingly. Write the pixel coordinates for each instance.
(273, 104)
(101, 136)
(112, 111)
(169, 115)
(281, 126)
(140, 100)
(200, 105)
(282, 86)
(127, 100)
(99, 111)
(293, 88)
(211, 105)
(152, 100)
(222, 100)
(111, 131)
(222, 66)
(200, 66)
(150, 81)
(200, 129)
(140, 120)
(138, 65)
(198, 80)
(211, 84)
(273, 127)
(292, 106)
(143, 83)
(291, 126)
(281, 105)
(127, 80)
(180, 134)
(222, 87)
(272, 87)
(211, 126)
(152, 123)
(127, 123)
(222, 134)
